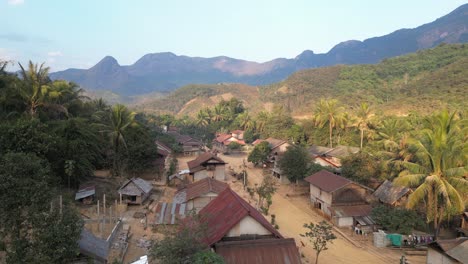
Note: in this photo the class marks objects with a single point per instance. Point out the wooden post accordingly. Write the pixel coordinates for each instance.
(104, 209)
(116, 208)
(99, 222)
(60, 205)
(120, 198)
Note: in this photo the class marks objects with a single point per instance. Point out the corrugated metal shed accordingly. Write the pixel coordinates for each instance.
(271, 251)
(225, 211)
(85, 191)
(93, 246)
(169, 213)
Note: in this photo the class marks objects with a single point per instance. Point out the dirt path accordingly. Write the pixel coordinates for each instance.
(292, 213)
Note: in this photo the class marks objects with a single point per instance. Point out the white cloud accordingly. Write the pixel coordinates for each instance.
(15, 2)
(6, 55)
(54, 54)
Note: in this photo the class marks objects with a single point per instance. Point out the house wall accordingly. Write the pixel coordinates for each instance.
(343, 221)
(248, 226)
(200, 202)
(435, 257)
(199, 175)
(325, 198)
(220, 173)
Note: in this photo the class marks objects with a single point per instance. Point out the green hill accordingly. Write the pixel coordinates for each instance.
(422, 82)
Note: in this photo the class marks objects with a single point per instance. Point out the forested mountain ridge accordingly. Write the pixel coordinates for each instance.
(167, 71)
(423, 81)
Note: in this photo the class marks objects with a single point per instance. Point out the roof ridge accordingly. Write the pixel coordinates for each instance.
(209, 184)
(240, 200)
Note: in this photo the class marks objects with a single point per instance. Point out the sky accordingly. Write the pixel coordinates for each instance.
(79, 33)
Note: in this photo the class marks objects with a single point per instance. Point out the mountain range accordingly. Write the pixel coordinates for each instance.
(166, 71)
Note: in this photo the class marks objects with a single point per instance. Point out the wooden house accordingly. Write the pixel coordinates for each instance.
(135, 191)
(189, 145)
(164, 156)
(331, 157)
(198, 194)
(448, 251)
(207, 165)
(340, 199)
(222, 141)
(390, 194)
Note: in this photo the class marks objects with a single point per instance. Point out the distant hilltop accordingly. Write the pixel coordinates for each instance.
(166, 71)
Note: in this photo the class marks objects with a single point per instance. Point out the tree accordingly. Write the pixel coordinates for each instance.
(36, 86)
(360, 167)
(328, 113)
(294, 163)
(120, 119)
(319, 235)
(207, 257)
(261, 121)
(397, 220)
(363, 118)
(260, 153)
(245, 121)
(181, 246)
(438, 170)
(265, 192)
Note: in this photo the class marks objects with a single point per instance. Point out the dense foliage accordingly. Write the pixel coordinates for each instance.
(397, 220)
(320, 235)
(295, 163)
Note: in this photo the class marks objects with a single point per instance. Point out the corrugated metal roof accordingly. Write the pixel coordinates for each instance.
(271, 251)
(327, 181)
(135, 186)
(85, 191)
(225, 211)
(142, 260)
(201, 159)
(352, 210)
(389, 193)
(274, 143)
(169, 213)
(199, 188)
(93, 246)
(342, 151)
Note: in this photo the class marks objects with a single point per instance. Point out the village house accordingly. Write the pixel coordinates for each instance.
(86, 194)
(331, 157)
(340, 199)
(239, 233)
(278, 148)
(449, 251)
(198, 194)
(222, 141)
(163, 158)
(135, 191)
(388, 193)
(189, 145)
(207, 165)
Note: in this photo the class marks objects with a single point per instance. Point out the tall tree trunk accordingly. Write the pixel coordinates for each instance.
(330, 126)
(316, 257)
(362, 137)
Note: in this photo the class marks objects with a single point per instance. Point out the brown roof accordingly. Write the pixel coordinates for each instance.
(274, 143)
(389, 193)
(163, 149)
(352, 210)
(272, 251)
(327, 181)
(455, 248)
(222, 137)
(196, 164)
(135, 186)
(227, 210)
(199, 188)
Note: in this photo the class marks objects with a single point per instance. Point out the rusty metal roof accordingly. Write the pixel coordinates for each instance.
(271, 251)
(389, 193)
(225, 211)
(352, 210)
(198, 189)
(327, 181)
(202, 159)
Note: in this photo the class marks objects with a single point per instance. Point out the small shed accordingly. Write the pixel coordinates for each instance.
(350, 215)
(135, 191)
(86, 194)
(390, 194)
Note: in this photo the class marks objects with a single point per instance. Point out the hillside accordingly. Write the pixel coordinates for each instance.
(167, 71)
(422, 82)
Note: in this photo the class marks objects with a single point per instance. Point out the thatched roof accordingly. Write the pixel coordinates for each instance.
(135, 186)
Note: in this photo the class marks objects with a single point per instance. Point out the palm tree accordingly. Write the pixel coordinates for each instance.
(120, 119)
(363, 118)
(203, 117)
(261, 120)
(219, 113)
(36, 88)
(439, 169)
(245, 121)
(328, 113)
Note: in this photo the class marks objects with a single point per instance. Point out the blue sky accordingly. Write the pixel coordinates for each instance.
(79, 33)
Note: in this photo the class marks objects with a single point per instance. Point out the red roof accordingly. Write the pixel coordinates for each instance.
(201, 187)
(203, 158)
(272, 251)
(327, 181)
(227, 210)
(223, 137)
